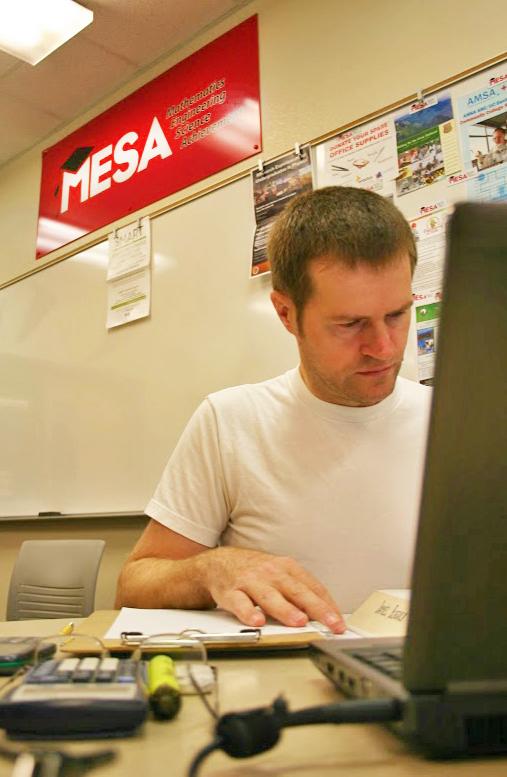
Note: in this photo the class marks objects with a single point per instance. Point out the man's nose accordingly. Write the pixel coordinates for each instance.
(377, 342)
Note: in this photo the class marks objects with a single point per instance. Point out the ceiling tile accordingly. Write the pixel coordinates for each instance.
(142, 32)
(73, 78)
(21, 126)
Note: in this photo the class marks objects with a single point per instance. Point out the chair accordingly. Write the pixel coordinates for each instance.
(54, 579)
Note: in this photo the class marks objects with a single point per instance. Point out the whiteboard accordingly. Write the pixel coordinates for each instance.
(88, 416)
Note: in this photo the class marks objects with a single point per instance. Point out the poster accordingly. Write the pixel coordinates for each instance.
(274, 186)
(427, 143)
(427, 316)
(364, 157)
(483, 126)
(429, 230)
(128, 298)
(129, 248)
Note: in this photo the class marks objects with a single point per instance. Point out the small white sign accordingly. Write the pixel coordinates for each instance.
(128, 298)
(129, 249)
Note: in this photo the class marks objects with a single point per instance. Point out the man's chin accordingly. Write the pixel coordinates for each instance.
(372, 388)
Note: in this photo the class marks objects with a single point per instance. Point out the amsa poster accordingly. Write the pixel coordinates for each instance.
(483, 125)
(196, 119)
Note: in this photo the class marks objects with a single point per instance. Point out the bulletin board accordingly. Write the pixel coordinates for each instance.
(443, 147)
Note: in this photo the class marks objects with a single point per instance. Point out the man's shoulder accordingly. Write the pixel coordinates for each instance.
(276, 388)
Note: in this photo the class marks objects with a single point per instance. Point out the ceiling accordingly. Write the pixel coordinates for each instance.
(125, 37)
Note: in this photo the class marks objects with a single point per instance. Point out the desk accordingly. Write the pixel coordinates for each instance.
(165, 749)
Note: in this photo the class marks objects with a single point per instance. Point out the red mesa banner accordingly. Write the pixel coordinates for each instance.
(197, 118)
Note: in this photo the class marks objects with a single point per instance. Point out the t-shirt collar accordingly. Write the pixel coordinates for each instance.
(341, 412)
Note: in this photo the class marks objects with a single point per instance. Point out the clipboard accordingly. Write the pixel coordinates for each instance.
(99, 622)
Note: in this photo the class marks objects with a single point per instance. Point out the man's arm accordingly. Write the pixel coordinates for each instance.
(167, 570)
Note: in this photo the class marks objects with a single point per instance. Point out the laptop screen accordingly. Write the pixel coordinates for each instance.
(457, 628)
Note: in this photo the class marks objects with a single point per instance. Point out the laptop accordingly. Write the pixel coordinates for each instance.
(450, 672)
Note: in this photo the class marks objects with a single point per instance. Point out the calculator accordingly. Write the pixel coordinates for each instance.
(15, 652)
(80, 698)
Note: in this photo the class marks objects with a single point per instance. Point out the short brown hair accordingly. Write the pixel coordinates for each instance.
(353, 225)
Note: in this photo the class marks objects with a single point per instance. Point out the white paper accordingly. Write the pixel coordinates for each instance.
(401, 593)
(128, 298)
(129, 249)
(150, 622)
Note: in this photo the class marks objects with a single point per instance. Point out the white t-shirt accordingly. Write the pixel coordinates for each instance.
(269, 466)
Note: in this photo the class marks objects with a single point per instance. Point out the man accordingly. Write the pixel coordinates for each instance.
(499, 137)
(499, 144)
(286, 496)
(498, 151)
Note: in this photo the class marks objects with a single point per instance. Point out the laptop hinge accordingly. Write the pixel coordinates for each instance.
(488, 687)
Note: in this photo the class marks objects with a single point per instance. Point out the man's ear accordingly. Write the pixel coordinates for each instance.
(286, 311)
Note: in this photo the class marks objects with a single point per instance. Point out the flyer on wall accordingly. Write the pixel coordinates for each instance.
(483, 124)
(128, 298)
(129, 248)
(364, 157)
(274, 186)
(427, 316)
(429, 230)
(427, 143)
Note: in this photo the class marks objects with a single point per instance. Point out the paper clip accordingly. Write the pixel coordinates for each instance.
(297, 150)
(260, 166)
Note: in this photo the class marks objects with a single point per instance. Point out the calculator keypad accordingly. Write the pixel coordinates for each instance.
(84, 670)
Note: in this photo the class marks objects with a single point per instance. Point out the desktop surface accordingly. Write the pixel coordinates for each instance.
(167, 748)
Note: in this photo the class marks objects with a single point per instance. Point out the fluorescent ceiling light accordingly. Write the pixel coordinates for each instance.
(32, 29)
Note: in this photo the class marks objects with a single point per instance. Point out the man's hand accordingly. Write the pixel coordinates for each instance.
(242, 581)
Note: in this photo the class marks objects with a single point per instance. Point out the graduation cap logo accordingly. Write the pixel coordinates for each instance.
(74, 162)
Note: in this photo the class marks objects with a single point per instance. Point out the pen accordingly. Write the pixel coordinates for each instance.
(163, 688)
(67, 630)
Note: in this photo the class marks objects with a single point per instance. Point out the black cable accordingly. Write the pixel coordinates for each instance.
(243, 734)
(357, 711)
(215, 744)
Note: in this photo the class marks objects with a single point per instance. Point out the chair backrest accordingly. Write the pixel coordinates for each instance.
(54, 579)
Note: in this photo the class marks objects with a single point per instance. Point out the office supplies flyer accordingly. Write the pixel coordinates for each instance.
(364, 157)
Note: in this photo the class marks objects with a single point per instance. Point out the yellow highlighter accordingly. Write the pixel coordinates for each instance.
(163, 688)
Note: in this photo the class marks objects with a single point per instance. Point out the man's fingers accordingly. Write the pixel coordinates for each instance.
(316, 609)
(310, 595)
(279, 585)
(242, 606)
(275, 604)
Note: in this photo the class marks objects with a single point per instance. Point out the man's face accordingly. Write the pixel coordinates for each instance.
(499, 137)
(353, 329)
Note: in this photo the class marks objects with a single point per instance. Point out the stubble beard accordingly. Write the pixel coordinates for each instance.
(347, 391)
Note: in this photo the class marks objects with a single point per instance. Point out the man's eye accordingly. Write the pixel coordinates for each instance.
(398, 314)
(350, 324)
